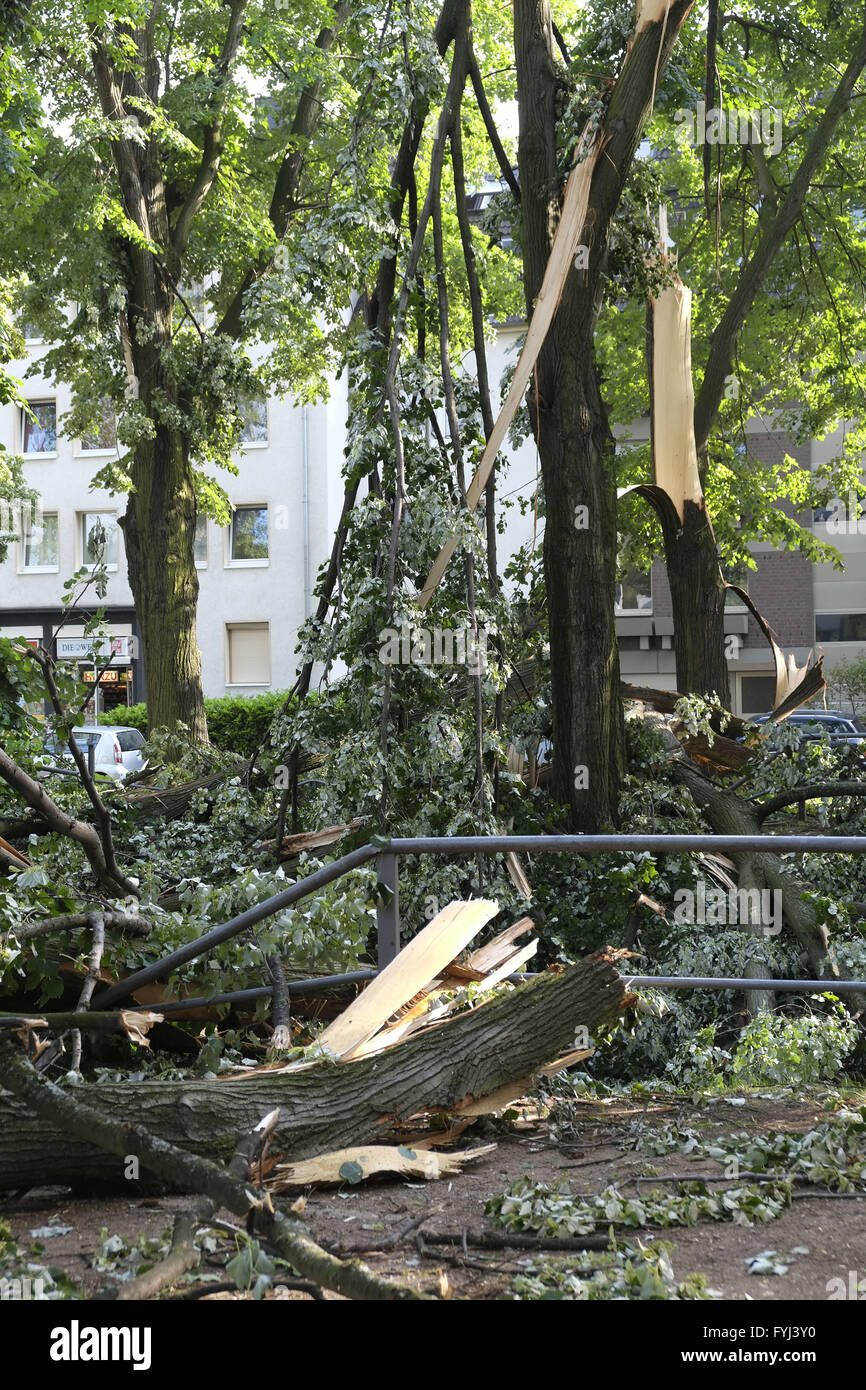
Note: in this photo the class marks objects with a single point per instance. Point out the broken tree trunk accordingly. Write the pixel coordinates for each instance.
(729, 815)
(326, 1105)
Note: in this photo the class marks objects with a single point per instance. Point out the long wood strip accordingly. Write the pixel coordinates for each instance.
(496, 951)
(416, 965)
(562, 252)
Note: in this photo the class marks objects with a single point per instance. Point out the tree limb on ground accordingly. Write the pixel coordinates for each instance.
(116, 1136)
(325, 1106)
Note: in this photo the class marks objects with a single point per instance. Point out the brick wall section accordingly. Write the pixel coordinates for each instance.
(771, 449)
(781, 589)
(662, 604)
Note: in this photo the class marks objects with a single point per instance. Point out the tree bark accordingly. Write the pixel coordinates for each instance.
(568, 416)
(698, 604)
(728, 815)
(327, 1106)
(159, 531)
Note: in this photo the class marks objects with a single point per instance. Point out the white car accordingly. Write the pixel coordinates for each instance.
(117, 750)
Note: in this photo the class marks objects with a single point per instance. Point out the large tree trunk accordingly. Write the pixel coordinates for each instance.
(159, 523)
(575, 447)
(159, 530)
(698, 603)
(328, 1106)
(567, 413)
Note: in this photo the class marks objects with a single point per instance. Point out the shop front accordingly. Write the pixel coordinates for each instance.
(110, 666)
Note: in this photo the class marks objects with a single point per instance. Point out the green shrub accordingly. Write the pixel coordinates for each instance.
(236, 723)
(134, 716)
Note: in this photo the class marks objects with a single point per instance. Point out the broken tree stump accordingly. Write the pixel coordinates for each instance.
(327, 1105)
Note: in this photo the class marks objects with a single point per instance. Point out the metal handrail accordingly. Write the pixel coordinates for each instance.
(388, 851)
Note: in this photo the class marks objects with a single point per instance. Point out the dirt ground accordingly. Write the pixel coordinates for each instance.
(603, 1151)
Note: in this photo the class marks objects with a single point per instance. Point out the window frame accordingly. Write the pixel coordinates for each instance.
(22, 549)
(203, 564)
(111, 451)
(37, 453)
(260, 443)
(259, 624)
(229, 562)
(838, 641)
(110, 567)
(620, 612)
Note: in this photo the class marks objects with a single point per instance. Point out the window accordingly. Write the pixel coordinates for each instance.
(40, 552)
(201, 541)
(248, 536)
(39, 434)
(104, 438)
(739, 575)
(840, 627)
(757, 694)
(634, 594)
(248, 654)
(255, 427)
(130, 740)
(99, 538)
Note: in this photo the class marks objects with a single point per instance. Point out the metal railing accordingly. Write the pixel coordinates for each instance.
(387, 853)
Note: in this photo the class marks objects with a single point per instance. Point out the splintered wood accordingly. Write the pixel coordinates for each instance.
(565, 243)
(421, 973)
(424, 985)
(353, 1165)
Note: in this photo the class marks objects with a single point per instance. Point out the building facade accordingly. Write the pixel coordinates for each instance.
(256, 577)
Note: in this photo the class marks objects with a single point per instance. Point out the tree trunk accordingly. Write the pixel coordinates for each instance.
(568, 416)
(159, 531)
(327, 1106)
(728, 815)
(576, 450)
(698, 605)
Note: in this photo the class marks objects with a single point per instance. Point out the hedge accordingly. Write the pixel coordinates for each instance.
(236, 723)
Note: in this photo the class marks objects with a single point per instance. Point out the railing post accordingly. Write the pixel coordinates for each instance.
(388, 909)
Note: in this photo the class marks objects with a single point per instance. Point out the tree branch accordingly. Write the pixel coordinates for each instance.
(288, 178)
(175, 1165)
(807, 793)
(74, 921)
(33, 794)
(752, 278)
(493, 134)
(212, 144)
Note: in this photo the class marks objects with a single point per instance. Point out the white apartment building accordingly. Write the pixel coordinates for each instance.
(256, 577)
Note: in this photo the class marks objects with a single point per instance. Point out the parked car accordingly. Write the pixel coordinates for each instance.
(813, 723)
(117, 750)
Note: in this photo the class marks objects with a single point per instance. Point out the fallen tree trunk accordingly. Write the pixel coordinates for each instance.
(221, 1185)
(327, 1105)
(729, 815)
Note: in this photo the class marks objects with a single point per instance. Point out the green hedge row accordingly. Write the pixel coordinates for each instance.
(236, 723)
